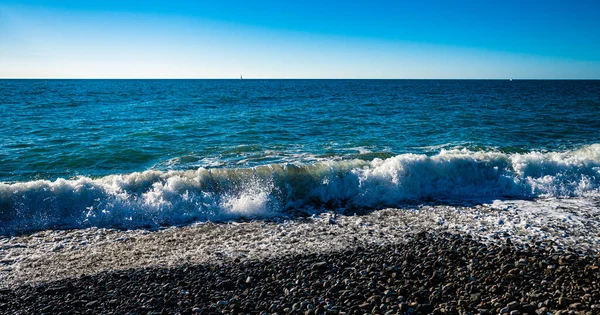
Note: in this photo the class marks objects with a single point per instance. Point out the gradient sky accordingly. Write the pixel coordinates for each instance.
(299, 39)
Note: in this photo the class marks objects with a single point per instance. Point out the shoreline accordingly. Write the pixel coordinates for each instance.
(436, 272)
(58, 254)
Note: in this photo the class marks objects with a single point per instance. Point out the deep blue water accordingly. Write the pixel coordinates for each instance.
(258, 147)
(65, 128)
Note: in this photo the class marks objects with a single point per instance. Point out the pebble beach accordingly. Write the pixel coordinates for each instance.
(436, 259)
(432, 273)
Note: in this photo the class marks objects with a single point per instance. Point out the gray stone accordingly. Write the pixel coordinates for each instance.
(513, 305)
(319, 265)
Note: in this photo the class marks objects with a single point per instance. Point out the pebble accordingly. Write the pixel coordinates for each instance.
(57, 247)
(319, 265)
(431, 274)
(513, 305)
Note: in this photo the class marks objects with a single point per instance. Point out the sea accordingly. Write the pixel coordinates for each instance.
(145, 154)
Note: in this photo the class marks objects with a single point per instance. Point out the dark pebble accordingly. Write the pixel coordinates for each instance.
(429, 274)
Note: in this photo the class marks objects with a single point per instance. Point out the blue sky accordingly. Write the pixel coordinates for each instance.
(300, 39)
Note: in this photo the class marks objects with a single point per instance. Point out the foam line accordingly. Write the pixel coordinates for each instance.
(154, 198)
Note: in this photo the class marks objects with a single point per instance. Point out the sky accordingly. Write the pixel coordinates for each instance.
(300, 39)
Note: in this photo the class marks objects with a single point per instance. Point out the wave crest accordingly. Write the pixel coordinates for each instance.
(154, 198)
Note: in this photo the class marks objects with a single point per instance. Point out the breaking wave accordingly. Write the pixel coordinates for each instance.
(155, 198)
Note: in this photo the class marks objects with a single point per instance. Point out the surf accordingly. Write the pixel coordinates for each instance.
(157, 198)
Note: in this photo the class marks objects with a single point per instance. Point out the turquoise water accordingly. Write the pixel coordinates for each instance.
(64, 128)
(152, 152)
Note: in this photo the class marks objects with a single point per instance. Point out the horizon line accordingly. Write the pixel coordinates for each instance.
(291, 78)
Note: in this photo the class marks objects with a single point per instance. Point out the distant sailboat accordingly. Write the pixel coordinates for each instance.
(241, 78)
(510, 79)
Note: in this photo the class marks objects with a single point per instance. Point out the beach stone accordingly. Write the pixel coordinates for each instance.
(528, 308)
(365, 306)
(576, 306)
(57, 247)
(542, 311)
(424, 308)
(513, 305)
(319, 265)
(47, 309)
(563, 301)
(404, 307)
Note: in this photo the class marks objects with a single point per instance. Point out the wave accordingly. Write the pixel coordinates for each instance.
(155, 198)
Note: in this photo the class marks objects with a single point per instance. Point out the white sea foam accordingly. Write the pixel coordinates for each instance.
(154, 198)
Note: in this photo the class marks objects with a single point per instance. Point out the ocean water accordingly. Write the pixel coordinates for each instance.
(149, 153)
